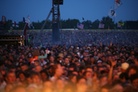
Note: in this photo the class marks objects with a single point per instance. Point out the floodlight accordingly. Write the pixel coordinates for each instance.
(59, 2)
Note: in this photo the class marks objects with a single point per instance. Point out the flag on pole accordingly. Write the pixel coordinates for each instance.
(3, 19)
(120, 24)
(112, 13)
(118, 2)
(101, 25)
(28, 22)
(80, 26)
(23, 19)
(83, 18)
(15, 24)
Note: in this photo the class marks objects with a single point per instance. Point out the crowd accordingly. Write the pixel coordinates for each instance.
(101, 65)
(83, 37)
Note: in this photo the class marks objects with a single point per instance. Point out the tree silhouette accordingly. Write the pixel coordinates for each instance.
(108, 22)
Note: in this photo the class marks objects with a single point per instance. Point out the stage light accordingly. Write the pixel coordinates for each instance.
(58, 2)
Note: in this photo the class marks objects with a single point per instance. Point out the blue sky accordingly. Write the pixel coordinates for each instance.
(89, 9)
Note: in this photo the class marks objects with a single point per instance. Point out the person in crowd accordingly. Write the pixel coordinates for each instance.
(81, 85)
(18, 88)
(57, 72)
(11, 81)
(21, 78)
(44, 75)
(105, 88)
(2, 83)
(134, 81)
(36, 84)
(136, 59)
(59, 86)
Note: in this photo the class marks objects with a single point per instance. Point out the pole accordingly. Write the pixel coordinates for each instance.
(46, 19)
(25, 32)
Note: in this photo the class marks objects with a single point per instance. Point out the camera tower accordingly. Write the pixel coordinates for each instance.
(56, 20)
(55, 10)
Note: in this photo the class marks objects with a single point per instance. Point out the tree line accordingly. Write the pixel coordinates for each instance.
(107, 23)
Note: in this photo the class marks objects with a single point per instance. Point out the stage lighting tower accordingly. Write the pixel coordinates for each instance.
(56, 19)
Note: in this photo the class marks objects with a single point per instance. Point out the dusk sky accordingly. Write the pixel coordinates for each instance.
(88, 9)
